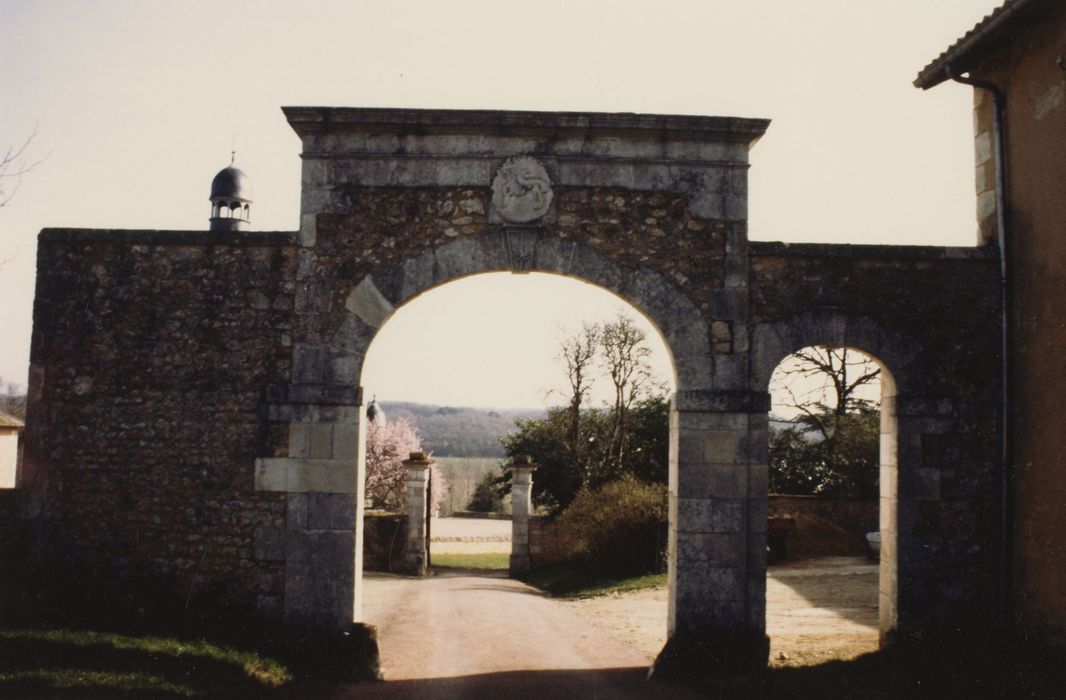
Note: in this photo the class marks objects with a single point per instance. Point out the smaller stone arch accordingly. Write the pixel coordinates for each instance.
(773, 342)
(907, 418)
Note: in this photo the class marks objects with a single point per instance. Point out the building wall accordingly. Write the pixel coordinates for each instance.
(9, 450)
(150, 358)
(1027, 69)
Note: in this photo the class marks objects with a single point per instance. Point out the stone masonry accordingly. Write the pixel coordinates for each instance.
(197, 394)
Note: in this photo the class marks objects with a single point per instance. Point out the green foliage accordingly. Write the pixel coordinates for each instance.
(563, 471)
(828, 454)
(576, 580)
(619, 528)
(486, 498)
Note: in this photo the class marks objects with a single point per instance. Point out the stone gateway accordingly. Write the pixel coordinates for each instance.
(195, 405)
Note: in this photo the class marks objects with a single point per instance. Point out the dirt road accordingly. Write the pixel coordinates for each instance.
(481, 635)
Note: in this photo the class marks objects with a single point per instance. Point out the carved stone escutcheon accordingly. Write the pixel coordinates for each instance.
(521, 190)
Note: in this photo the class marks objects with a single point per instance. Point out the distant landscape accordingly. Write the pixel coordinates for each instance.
(449, 431)
(464, 441)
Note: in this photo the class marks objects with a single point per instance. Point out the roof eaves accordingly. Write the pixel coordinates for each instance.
(933, 74)
(9, 421)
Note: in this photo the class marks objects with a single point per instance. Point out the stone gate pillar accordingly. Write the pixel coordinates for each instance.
(717, 544)
(417, 511)
(521, 508)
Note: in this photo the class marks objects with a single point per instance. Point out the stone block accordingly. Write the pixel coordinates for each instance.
(698, 421)
(758, 480)
(299, 440)
(345, 441)
(723, 550)
(712, 583)
(921, 484)
(757, 513)
(721, 447)
(269, 608)
(369, 304)
(320, 440)
(712, 481)
(331, 551)
(318, 597)
(710, 515)
(296, 510)
(305, 475)
(342, 511)
(754, 447)
(731, 304)
(730, 370)
(697, 613)
(268, 544)
(344, 369)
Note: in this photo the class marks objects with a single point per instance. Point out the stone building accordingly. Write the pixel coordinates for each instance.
(1016, 61)
(219, 370)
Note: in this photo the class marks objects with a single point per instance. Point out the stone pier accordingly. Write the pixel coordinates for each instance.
(415, 560)
(522, 469)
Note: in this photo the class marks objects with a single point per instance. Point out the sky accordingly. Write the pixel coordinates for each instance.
(135, 105)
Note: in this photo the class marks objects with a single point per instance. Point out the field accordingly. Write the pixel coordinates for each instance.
(461, 476)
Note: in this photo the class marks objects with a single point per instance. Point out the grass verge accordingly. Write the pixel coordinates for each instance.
(572, 580)
(92, 663)
(474, 560)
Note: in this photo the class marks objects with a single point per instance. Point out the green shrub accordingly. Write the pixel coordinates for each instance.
(620, 528)
(486, 499)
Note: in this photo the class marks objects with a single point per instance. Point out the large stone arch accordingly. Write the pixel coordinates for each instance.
(374, 298)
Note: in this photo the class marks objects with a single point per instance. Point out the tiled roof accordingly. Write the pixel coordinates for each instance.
(933, 74)
(9, 421)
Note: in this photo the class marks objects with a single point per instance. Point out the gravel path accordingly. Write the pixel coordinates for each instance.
(481, 635)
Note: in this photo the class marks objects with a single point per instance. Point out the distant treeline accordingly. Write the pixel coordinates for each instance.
(448, 431)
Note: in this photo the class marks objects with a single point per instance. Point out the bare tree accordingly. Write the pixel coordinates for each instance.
(625, 359)
(824, 384)
(578, 353)
(13, 166)
(13, 400)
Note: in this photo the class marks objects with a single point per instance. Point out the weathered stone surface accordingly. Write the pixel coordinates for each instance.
(193, 397)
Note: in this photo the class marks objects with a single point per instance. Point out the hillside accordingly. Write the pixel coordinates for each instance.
(459, 432)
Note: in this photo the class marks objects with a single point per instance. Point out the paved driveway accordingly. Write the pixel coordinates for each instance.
(481, 635)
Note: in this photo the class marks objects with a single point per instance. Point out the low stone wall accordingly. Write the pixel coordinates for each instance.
(384, 538)
(477, 515)
(544, 546)
(856, 515)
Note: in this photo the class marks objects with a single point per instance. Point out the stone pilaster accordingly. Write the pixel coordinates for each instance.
(717, 611)
(415, 560)
(521, 508)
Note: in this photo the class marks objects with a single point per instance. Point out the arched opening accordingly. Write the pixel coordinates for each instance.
(831, 577)
(488, 342)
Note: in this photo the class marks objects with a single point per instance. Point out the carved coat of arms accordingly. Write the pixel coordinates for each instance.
(521, 190)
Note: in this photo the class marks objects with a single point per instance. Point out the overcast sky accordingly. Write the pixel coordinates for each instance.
(136, 104)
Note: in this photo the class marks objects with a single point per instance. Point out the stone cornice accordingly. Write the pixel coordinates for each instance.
(319, 120)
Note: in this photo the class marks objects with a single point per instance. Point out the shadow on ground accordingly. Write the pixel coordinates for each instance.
(973, 673)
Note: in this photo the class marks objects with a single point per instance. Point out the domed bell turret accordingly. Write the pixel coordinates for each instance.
(231, 199)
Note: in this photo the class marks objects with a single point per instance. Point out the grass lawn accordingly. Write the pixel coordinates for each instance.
(479, 560)
(571, 580)
(87, 663)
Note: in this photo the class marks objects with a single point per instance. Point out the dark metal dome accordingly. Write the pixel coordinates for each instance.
(374, 413)
(231, 183)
